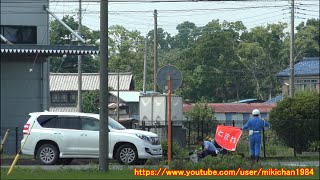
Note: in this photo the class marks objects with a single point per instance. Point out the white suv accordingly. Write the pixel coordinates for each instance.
(58, 137)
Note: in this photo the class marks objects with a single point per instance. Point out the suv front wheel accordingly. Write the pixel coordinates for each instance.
(127, 154)
(48, 154)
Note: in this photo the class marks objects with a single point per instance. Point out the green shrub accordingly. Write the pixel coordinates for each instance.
(314, 146)
(230, 161)
(271, 149)
(90, 101)
(177, 150)
(155, 162)
(243, 145)
(296, 120)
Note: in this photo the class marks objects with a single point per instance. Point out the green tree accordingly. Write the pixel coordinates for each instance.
(59, 35)
(307, 40)
(126, 51)
(210, 66)
(202, 114)
(296, 120)
(260, 54)
(187, 35)
(90, 101)
(164, 39)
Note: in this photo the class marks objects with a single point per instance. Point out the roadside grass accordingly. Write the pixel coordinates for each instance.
(94, 173)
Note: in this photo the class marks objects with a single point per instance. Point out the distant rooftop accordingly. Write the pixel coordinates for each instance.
(309, 66)
(90, 81)
(275, 99)
(127, 96)
(235, 107)
(252, 100)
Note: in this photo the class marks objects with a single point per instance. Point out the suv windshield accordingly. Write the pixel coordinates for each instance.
(115, 125)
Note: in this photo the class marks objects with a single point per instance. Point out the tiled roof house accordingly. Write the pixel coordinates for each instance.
(239, 112)
(64, 87)
(306, 75)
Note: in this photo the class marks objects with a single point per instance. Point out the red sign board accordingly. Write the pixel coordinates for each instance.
(227, 137)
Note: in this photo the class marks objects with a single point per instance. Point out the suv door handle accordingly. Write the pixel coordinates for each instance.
(83, 134)
(56, 133)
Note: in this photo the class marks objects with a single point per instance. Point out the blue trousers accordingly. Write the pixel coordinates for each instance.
(255, 144)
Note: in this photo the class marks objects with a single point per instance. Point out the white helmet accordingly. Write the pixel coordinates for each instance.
(256, 112)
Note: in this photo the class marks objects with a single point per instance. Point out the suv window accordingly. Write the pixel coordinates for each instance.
(47, 121)
(62, 122)
(90, 124)
(68, 122)
(115, 125)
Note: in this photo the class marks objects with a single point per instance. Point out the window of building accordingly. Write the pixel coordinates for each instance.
(20, 34)
(59, 97)
(306, 85)
(73, 97)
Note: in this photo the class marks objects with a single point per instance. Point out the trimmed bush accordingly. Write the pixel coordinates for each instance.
(296, 120)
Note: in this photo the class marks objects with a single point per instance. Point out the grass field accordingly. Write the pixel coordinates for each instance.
(26, 173)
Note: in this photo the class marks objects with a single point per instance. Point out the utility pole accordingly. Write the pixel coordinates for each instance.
(155, 49)
(79, 62)
(118, 98)
(145, 64)
(291, 81)
(104, 92)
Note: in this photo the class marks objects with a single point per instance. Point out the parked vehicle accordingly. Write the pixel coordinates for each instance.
(58, 137)
(248, 101)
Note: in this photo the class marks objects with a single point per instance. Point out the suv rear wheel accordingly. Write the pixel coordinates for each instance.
(127, 154)
(48, 154)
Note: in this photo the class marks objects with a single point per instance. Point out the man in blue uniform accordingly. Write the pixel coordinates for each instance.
(255, 126)
(208, 148)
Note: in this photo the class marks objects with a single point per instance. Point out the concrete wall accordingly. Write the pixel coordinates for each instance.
(27, 13)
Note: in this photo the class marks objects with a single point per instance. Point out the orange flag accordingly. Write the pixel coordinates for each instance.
(227, 137)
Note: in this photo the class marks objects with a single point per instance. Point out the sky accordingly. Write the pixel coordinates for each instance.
(139, 15)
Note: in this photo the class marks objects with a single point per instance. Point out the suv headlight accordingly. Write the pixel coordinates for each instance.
(146, 138)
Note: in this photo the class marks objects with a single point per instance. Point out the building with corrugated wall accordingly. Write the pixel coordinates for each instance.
(24, 66)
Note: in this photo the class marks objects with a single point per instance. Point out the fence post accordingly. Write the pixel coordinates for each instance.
(189, 134)
(143, 125)
(264, 144)
(202, 128)
(198, 129)
(16, 140)
(171, 139)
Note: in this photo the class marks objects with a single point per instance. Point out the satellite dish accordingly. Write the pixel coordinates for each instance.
(175, 76)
